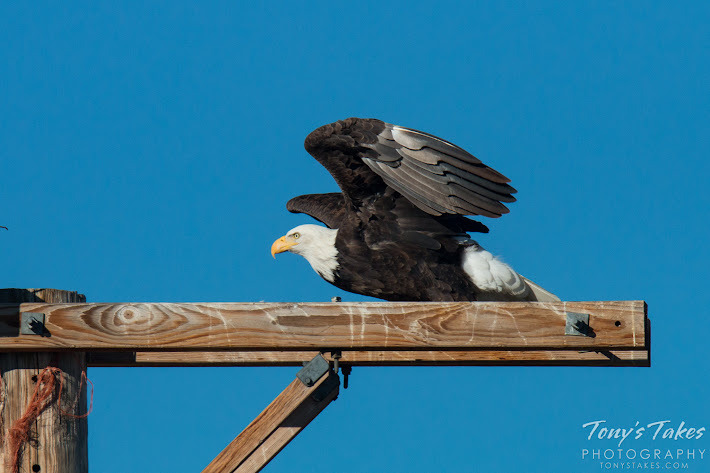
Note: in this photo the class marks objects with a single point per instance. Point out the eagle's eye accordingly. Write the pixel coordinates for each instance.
(297, 236)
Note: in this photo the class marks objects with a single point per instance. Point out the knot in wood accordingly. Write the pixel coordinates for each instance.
(132, 315)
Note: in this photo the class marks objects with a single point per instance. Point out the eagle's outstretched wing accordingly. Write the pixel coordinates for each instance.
(326, 208)
(364, 156)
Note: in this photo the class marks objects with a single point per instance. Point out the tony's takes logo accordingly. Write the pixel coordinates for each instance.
(660, 445)
(682, 432)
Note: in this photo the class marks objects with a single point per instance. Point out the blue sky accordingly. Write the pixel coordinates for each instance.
(147, 152)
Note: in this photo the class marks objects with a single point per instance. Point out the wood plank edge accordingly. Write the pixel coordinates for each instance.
(488, 358)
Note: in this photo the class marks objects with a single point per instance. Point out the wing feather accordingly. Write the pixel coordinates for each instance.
(503, 190)
(405, 186)
(326, 208)
(366, 155)
(444, 175)
(455, 187)
(430, 156)
(416, 140)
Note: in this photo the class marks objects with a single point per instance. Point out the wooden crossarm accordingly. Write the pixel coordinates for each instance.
(139, 327)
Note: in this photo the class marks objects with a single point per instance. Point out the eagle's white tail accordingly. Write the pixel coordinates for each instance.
(497, 281)
(541, 294)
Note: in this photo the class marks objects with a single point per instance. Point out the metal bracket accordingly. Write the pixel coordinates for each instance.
(578, 325)
(313, 370)
(331, 382)
(346, 372)
(32, 323)
(346, 369)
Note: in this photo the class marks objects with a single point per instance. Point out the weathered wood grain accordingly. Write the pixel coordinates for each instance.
(286, 431)
(375, 358)
(617, 325)
(61, 442)
(275, 427)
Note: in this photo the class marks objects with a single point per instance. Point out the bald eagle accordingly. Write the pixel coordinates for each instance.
(398, 230)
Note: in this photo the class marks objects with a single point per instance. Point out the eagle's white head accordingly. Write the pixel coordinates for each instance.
(313, 242)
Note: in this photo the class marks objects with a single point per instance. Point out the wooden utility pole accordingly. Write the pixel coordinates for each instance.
(57, 442)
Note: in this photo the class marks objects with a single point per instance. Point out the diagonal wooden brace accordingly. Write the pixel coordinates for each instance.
(314, 388)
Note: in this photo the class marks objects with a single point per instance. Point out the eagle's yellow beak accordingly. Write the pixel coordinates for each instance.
(281, 245)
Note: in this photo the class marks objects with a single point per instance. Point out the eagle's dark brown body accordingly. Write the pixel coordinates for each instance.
(378, 260)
